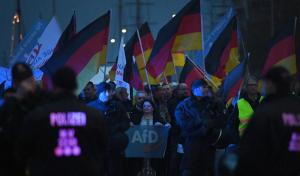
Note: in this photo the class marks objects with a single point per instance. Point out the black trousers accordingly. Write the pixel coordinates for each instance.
(114, 166)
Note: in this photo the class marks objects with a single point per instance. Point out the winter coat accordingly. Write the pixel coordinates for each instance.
(199, 122)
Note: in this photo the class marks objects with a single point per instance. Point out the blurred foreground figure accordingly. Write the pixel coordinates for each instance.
(65, 137)
(271, 143)
(19, 100)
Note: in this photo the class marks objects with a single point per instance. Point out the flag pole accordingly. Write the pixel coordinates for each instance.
(295, 25)
(295, 32)
(144, 60)
(165, 78)
(205, 75)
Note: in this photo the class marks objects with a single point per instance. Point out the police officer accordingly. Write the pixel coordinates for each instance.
(270, 144)
(64, 137)
(118, 122)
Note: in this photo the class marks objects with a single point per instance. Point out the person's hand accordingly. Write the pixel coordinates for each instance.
(168, 125)
(158, 124)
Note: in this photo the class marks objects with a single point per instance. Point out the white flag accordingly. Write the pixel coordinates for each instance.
(120, 67)
(45, 45)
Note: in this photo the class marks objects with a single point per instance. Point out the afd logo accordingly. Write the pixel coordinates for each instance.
(149, 139)
(35, 52)
(145, 137)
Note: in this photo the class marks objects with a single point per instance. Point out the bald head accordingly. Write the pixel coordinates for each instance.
(252, 85)
(182, 90)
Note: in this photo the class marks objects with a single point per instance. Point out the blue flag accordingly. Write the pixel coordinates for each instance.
(23, 50)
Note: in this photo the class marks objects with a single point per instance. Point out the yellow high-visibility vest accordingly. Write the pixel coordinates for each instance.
(245, 113)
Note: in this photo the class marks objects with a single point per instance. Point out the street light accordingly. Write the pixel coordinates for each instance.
(124, 30)
(112, 40)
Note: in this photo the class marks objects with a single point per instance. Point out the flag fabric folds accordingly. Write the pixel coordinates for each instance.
(66, 36)
(84, 53)
(25, 47)
(136, 81)
(190, 73)
(146, 43)
(233, 82)
(43, 49)
(223, 55)
(112, 71)
(182, 33)
(282, 50)
(121, 64)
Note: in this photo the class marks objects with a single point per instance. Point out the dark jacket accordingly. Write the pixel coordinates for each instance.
(270, 144)
(63, 138)
(196, 118)
(200, 122)
(12, 115)
(172, 104)
(174, 134)
(118, 123)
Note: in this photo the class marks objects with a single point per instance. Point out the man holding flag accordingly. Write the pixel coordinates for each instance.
(201, 118)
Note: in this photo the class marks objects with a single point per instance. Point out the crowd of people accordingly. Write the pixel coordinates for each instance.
(59, 133)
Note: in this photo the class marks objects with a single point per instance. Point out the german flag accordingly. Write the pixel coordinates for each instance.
(84, 53)
(182, 33)
(282, 51)
(136, 82)
(190, 72)
(146, 43)
(223, 55)
(178, 59)
(66, 36)
(233, 82)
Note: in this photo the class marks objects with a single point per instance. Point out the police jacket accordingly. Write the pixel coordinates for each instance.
(63, 138)
(270, 144)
